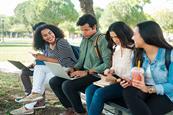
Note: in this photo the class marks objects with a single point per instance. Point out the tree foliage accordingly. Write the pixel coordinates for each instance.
(128, 11)
(50, 11)
(165, 18)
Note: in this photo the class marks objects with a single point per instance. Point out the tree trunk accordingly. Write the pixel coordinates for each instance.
(87, 6)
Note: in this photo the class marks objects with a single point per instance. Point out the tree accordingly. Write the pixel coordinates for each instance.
(98, 12)
(128, 11)
(164, 18)
(87, 6)
(50, 11)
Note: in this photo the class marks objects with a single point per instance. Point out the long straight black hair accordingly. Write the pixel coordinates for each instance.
(123, 32)
(152, 34)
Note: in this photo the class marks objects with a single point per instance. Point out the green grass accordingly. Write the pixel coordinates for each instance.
(10, 87)
(16, 49)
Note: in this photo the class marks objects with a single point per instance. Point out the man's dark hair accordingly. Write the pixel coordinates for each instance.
(35, 26)
(87, 19)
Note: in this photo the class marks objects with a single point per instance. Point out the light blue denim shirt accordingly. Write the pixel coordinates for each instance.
(162, 77)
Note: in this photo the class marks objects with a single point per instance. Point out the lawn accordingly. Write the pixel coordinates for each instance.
(10, 87)
(16, 49)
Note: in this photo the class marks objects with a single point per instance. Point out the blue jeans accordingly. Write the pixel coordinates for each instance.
(96, 96)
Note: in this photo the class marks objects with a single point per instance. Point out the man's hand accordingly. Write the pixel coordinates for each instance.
(70, 70)
(78, 74)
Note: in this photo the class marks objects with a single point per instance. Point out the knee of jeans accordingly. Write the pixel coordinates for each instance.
(129, 92)
(53, 82)
(89, 90)
(67, 85)
(99, 94)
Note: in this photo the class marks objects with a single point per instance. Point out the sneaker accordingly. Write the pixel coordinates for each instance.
(40, 104)
(22, 111)
(17, 99)
(31, 98)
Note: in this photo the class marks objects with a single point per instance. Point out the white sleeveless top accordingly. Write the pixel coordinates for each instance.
(122, 61)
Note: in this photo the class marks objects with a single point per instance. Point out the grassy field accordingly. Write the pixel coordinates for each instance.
(10, 87)
(16, 49)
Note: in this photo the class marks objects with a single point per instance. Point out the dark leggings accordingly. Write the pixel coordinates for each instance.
(68, 91)
(26, 81)
(141, 103)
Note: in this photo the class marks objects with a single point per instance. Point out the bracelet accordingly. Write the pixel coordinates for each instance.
(151, 89)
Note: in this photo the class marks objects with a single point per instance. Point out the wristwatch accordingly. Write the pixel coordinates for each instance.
(151, 89)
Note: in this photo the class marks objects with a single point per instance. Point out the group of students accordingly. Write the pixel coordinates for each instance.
(116, 52)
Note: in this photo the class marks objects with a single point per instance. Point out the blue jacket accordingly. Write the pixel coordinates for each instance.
(162, 77)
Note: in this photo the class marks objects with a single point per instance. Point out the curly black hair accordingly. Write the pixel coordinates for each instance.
(39, 43)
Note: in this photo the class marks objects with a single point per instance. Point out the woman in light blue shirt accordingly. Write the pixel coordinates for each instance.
(153, 95)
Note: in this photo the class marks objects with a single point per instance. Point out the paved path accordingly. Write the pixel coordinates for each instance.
(5, 66)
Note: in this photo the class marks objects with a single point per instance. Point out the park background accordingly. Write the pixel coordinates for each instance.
(18, 16)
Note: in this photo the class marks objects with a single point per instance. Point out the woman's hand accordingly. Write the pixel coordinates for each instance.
(110, 78)
(40, 57)
(140, 84)
(125, 82)
(108, 71)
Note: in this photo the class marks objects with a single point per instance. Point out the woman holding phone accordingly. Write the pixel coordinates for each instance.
(119, 37)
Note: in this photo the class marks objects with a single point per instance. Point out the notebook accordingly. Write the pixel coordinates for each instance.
(58, 70)
(101, 82)
(18, 64)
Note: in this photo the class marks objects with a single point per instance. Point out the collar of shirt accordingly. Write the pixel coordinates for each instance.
(93, 37)
(157, 58)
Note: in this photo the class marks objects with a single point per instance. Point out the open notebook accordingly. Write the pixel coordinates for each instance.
(58, 70)
(101, 82)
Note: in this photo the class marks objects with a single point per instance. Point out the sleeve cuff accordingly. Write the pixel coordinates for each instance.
(159, 89)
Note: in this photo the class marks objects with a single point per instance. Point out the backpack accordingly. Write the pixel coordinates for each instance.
(167, 58)
(97, 49)
(76, 51)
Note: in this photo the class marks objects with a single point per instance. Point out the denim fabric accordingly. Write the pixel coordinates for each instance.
(162, 77)
(96, 96)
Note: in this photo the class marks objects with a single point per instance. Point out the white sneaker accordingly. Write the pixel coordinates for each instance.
(31, 98)
(22, 111)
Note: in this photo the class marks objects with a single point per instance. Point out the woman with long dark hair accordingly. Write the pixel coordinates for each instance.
(50, 40)
(153, 94)
(119, 41)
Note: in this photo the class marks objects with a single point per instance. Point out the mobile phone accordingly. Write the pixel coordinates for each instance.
(116, 76)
